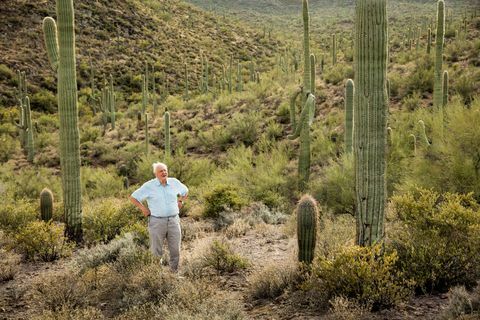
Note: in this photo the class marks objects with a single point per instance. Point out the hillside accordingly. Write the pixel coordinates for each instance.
(118, 37)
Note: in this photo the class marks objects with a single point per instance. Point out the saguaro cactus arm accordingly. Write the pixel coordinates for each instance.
(50, 35)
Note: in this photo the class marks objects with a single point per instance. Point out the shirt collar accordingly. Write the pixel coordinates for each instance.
(158, 183)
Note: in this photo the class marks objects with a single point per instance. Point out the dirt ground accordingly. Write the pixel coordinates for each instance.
(266, 246)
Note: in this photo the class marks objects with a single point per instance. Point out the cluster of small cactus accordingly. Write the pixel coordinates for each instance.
(60, 43)
(370, 127)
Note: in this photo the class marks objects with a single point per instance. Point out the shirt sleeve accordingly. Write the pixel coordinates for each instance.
(181, 188)
(141, 193)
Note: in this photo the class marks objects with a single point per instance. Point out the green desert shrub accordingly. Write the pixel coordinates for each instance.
(101, 182)
(189, 170)
(9, 147)
(104, 219)
(44, 101)
(43, 240)
(335, 187)
(364, 274)
(16, 215)
(28, 182)
(338, 73)
(452, 165)
(437, 242)
(221, 198)
(244, 127)
(223, 259)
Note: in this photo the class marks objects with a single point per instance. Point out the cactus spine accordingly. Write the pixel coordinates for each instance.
(166, 121)
(437, 87)
(46, 204)
(68, 112)
(370, 126)
(445, 88)
(307, 212)
(349, 90)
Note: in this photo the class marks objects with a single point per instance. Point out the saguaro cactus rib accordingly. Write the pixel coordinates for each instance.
(370, 121)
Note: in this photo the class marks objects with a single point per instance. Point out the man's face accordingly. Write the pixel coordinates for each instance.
(161, 173)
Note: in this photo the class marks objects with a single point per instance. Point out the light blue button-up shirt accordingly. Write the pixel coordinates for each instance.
(162, 200)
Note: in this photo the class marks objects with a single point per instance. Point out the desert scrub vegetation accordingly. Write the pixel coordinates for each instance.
(364, 274)
(437, 242)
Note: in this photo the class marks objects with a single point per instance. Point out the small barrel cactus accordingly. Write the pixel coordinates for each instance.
(307, 212)
(46, 204)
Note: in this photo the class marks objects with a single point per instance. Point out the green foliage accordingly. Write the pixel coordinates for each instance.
(244, 127)
(338, 73)
(101, 182)
(437, 241)
(44, 101)
(106, 218)
(16, 215)
(362, 274)
(42, 240)
(335, 187)
(191, 171)
(453, 165)
(9, 147)
(220, 199)
(222, 258)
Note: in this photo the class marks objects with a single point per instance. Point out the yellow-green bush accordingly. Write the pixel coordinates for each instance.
(42, 240)
(335, 188)
(363, 274)
(15, 215)
(439, 240)
(221, 198)
(100, 182)
(9, 147)
(223, 259)
(104, 219)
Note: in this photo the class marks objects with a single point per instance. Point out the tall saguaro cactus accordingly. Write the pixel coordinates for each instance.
(29, 131)
(307, 213)
(306, 50)
(349, 90)
(370, 121)
(62, 45)
(438, 72)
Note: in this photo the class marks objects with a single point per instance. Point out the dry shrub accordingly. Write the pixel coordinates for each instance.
(237, 229)
(55, 290)
(273, 280)
(67, 313)
(342, 308)
(462, 304)
(9, 265)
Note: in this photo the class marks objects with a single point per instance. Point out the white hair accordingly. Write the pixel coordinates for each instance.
(158, 165)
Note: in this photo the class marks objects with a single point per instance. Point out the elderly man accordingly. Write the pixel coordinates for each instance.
(164, 197)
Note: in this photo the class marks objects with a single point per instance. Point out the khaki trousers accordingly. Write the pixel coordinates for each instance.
(166, 228)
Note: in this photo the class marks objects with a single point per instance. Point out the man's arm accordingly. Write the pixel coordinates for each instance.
(139, 205)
